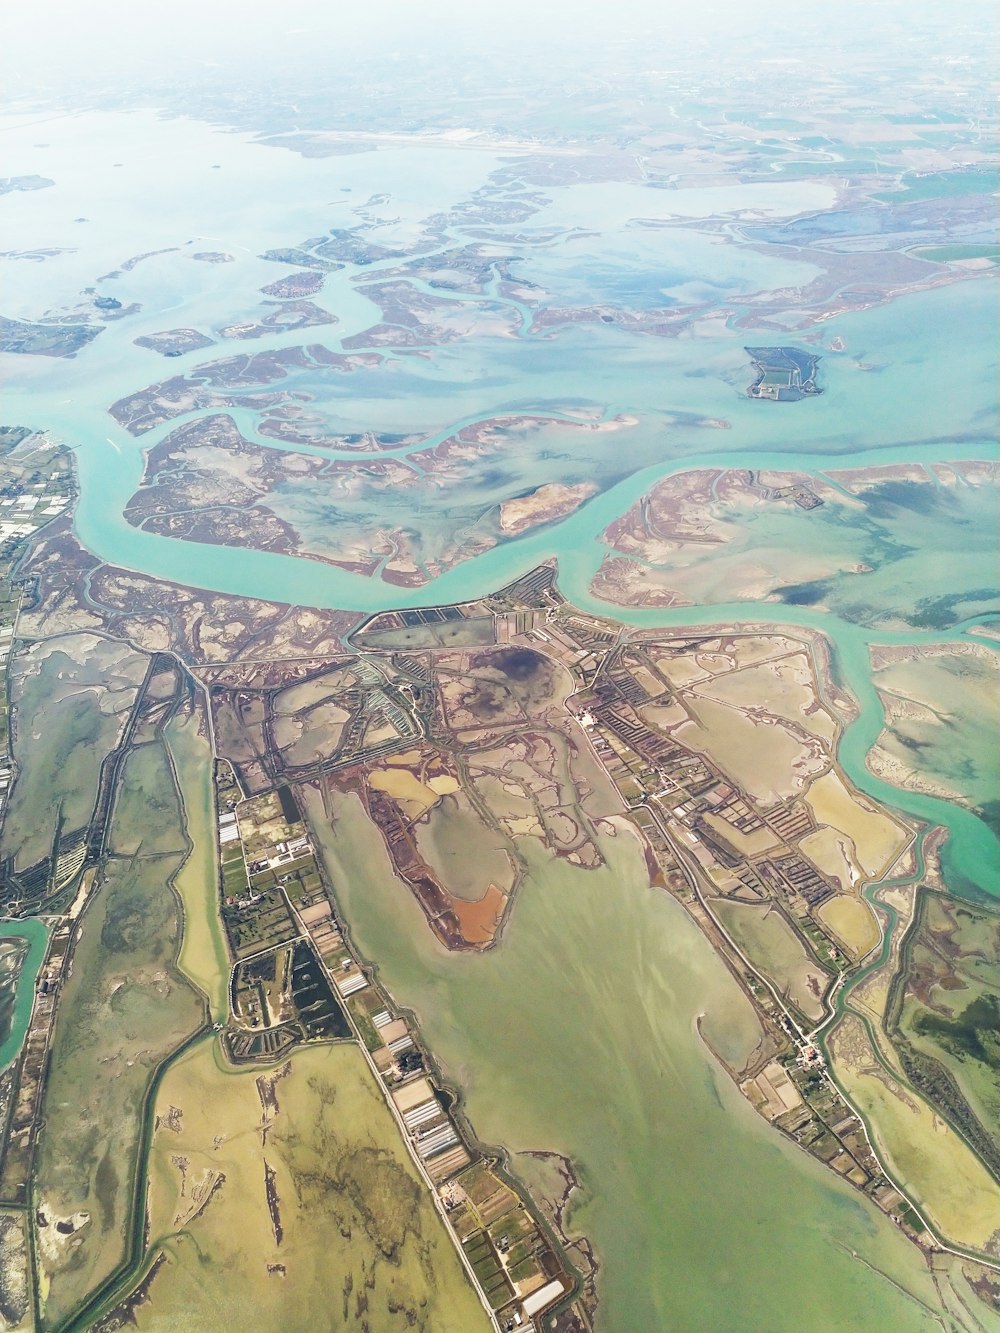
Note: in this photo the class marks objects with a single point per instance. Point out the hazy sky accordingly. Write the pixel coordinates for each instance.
(130, 48)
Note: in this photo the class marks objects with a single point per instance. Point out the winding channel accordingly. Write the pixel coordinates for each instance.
(971, 855)
(110, 460)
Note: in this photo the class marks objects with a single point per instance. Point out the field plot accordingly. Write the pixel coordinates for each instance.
(71, 696)
(773, 946)
(506, 1248)
(940, 1170)
(286, 1201)
(948, 1024)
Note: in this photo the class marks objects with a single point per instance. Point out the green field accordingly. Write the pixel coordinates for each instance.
(71, 696)
(354, 1241)
(145, 810)
(203, 956)
(774, 948)
(124, 1009)
(953, 1017)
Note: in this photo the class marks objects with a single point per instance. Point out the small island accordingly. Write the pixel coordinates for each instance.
(784, 374)
(37, 339)
(174, 342)
(8, 184)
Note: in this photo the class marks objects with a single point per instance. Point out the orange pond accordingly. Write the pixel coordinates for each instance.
(480, 921)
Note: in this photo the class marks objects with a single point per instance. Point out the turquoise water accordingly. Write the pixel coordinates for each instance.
(37, 935)
(638, 243)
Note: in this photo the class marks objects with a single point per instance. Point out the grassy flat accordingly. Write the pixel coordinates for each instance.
(349, 1239)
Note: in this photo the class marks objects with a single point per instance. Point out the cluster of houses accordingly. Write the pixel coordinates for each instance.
(20, 514)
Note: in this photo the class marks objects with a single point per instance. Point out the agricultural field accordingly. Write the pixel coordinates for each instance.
(939, 1170)
(508, 1252)
(949, 1007)
(771, 944)
(285, 1200)
(263, 824)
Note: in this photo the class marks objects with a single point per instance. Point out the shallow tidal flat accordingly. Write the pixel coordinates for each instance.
(711, 536)
(13, 952)
(123, 1012)
(949, 1012)
(285, 1200)
(942, 712)
(71, 694)
(936, 1166)
(577, 1035)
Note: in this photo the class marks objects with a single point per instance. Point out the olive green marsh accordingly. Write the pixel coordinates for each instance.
(578, 1035)
(286, 1200)
(123, 1010)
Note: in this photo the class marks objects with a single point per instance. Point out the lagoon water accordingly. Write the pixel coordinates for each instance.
(578, 1037)
(168, 191)
(37, 936)
(675, 1166)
